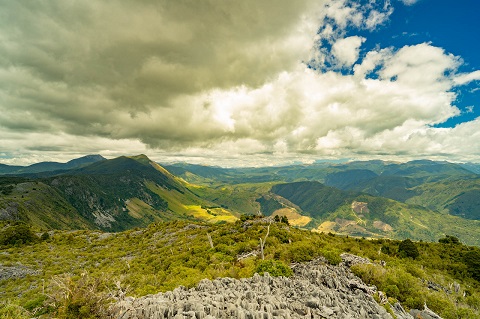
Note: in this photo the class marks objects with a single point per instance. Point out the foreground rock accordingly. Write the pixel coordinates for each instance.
(14, 272)
(316, 290)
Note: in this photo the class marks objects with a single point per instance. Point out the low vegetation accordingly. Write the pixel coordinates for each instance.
(76, 273)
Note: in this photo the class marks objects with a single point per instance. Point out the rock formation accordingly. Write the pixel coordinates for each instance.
(317, 290)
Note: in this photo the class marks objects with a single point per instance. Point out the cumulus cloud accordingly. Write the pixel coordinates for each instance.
(346, 50)
(465, 78)
(409, 2)
(216, 80)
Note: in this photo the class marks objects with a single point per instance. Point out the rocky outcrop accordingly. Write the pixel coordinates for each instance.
(349, 260)
(13, 272)
(317, 290)
(424, 314)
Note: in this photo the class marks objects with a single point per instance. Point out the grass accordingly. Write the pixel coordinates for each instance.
(164, 255)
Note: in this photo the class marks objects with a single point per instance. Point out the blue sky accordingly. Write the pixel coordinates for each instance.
(452, 25)
(237, 83)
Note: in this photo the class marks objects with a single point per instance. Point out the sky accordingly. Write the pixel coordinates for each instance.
(240, 83)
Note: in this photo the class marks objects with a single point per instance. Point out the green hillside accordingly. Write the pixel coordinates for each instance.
(356, 214)
(50, 166)
(39, 204)
(460, 197)
(76, 273)
(113, 195)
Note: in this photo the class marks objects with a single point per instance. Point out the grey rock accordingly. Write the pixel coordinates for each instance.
(317, 290)
(14, 272)
(399, 312)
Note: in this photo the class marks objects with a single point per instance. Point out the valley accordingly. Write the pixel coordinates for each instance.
(137, 227)
(421, 200)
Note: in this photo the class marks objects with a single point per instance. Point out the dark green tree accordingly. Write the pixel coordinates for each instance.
(17, 235)
(449, 240)
(407, 248)
(472, 260)
(284, 220)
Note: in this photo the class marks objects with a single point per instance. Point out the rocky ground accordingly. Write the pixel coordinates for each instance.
(18, 271)
(317, 290)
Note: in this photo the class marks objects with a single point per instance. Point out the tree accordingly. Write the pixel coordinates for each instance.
(407, 248)
(472, 260)
(284, 220)
(449, 240)
(17, 235)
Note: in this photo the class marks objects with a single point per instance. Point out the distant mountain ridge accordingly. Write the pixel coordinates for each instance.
(114, 195)
(360, 214)
(50, 166)
(418, 199)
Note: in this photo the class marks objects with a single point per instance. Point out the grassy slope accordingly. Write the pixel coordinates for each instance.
(240, 198)
(41, 205)
(166, 255)
(332, 210)
(439, 195)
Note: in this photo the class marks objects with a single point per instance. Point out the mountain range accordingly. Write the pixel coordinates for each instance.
(420, 199)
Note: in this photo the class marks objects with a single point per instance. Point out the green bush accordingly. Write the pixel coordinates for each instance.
(332, 257)
(407, 248)
(45, 236)
(77, 299)
(17, 235)
(392, 291)
(449, 240)
(12, 311)
(472, 260)
(301, 252)
(274, 268)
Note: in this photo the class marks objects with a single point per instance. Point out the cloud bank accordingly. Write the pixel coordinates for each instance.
(269, 81)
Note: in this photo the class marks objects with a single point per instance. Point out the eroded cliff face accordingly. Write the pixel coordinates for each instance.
(317, 290)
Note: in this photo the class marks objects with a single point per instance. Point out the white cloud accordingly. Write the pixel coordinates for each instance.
(218, 81)
(466, 78)
(409, 2)
(421, 64)
(346, 50)
(376, 18)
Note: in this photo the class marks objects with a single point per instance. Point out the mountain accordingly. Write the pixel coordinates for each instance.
(349, 178)
(426, 171)
(357, 214)
(396, 180)
(472, 167)
(418, 199)
(36, 203)
(7, 169)
(50, 166)
(458, 197)
(112, 195)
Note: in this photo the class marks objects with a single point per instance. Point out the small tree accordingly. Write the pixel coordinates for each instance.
(407, 248)
(449, 240)
(284, 220)
(17, 235)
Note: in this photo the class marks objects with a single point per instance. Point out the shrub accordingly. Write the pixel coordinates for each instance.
(407, 248)
(449, 240)
(332, 257)
(392, 291)
(81, 299)
(472, 260)
(17, 235)
(301, 252)
(12, 311)
(274, 268)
